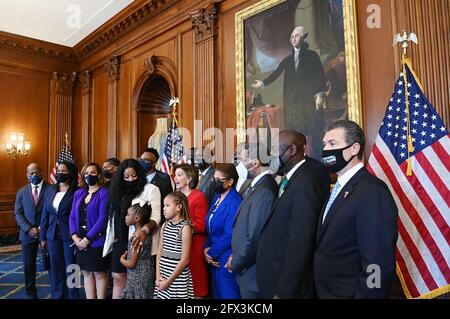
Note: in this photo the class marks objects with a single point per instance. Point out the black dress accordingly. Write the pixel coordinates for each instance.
(120, 245)
(90, 259)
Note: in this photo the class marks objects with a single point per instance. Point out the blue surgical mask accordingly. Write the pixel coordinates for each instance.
(146, 165)
(35, 179)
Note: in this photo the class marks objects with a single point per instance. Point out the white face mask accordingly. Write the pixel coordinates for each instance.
(274, 164)
(242, 171)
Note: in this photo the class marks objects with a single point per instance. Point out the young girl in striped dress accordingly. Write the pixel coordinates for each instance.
(173, 277)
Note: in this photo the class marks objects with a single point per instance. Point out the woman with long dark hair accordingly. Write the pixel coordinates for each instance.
(128, 182)
(129, 186)
(55, 230)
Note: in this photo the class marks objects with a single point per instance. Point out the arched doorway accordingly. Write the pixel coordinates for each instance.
(154, 101)
(155, 85)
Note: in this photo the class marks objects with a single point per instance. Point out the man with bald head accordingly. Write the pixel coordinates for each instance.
(27, 211)
(284, 261)
(303, 89)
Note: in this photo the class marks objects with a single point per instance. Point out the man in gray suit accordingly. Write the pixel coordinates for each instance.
(28, 207)
(250, 219)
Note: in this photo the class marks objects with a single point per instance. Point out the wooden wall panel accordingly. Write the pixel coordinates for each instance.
(226, 83)
(186, 88)
(125, 111)
(27, 111)
(24, 111)
(77, 125)
(430, 20)
(99, 134)
(378, 74)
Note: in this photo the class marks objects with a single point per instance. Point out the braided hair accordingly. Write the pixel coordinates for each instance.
(144, 212)
(180, 199)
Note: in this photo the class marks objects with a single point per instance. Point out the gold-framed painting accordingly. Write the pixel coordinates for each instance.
(297, 67)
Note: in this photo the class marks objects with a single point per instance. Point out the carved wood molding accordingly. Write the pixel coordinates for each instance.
(64, 82)
(203, 22)
(130, 23)
(113, 68)
(86, 82)
(163, 66)
(37, 50)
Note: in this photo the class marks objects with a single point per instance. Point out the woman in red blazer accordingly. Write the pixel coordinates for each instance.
(186, 180)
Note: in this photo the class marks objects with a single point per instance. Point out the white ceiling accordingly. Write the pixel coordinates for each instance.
(56, 20)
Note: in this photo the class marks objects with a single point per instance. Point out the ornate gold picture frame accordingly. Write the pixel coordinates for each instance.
(263, 43)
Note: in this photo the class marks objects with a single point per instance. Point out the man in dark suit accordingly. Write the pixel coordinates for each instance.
(203, 162)
(303, 89)
(284, 258)
(239, 161)
(251, 217)
(148, 160)
(357, 230)
(27, 210)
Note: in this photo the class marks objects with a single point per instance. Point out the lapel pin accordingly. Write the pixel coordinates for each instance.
(346, 194)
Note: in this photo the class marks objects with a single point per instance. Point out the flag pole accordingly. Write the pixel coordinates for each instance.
(174, 101)
(404, 39)
(66, 141)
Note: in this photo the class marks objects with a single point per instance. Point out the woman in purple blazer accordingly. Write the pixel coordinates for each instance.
(88, 227)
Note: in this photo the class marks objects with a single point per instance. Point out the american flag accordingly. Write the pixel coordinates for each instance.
(423, 199)
(65, 155)
(173, 151)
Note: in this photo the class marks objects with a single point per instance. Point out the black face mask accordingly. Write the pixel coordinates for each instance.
(131, 184)
(218, 187)
(200, 164)
(62, 177)
(91, 180)
(334, 159)
(108, 174)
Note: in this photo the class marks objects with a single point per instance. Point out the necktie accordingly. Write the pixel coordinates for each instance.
(333, 196)
(283, 183)
(35, 195)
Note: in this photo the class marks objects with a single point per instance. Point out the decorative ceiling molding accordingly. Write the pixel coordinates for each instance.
(25, 45)
(130, 23)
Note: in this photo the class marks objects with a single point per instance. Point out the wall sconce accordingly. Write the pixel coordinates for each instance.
(17, 146)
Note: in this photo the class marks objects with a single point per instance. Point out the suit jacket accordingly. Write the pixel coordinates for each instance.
(360, 230)
(299, 88)
(284, 258)
(51, 219)
(206, 186)
(220, 227)
(95, 214)
(26, 214)
(162, 180)
(250, 219)
(246, 184)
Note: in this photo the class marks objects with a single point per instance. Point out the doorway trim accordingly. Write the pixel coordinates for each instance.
(155, 65)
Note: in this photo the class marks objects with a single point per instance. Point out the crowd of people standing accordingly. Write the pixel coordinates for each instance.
(214, 234)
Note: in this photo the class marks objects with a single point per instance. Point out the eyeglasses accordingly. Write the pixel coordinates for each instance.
(218, 180)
